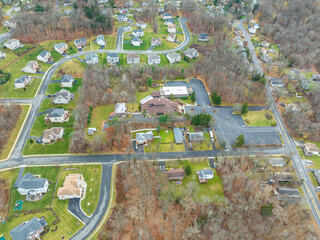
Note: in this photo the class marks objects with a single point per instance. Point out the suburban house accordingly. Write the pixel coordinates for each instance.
(44, 56)
(123, 11)
(311, 149)
(52, 135)
(160, 106)
(198, 136)
(287, 195)
(31, 67)
(191, 53)
(63, 97)
(100, 40)
(112, 58)
(160, 9)
(10, 24)
(171, 37)
(205, 175)
(277, 162)
(178, 136)
(155, 41)
(144, 138)
(2, 55)
(153, 59)
(169, 22)
(283, 177)
(266, 58)
(141, 24)
(80, 43)
(120, 109)
(74, 186)
(57, 115)
(135, 41)
(175, 174)
(277, 82)
(67, 80)
(29, 230)
(138, 33)
(172, 28)
(92, 58)
(13, 44)
(133, 58)
(174, 57)
(252, 30)
(22, 81)
(30, 183)
(61, 47)
(122, 18)
(265, 44)
(166, 16)
(203, 37)
(175, 91)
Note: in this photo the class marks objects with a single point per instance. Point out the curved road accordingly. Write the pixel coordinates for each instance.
(289, 144)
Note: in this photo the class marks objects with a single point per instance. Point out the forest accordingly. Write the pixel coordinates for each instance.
(9, 115)
(148, 207)
(85, 21)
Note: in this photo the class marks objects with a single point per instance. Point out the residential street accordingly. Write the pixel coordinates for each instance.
(289, 145)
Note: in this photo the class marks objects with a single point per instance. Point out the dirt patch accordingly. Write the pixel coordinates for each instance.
(72, 67)
(4, 198)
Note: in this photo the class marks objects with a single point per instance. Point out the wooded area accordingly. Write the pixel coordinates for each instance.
(149, 207)
(86, 21)
(9, 115)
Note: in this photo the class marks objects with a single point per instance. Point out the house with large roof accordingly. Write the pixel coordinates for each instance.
(63, 97)
(141, 24)
(174, 57)
(61, 47)
(138, 33)
(22, 81)
(133, 58)
(144, 138)
(92, 58)
(178, 136)
(171, 37)
(31, 67)
(57, 115)
(203, 37)
(120, 109)
(80, 43)
(154, 59)
(205, 175)
(101, 40)
(67, 80)
(311, 149)
(30, 183)
(44, 56)
(191, 53)
(74, 186)
(29, 230)
(175, 91)
(112, 58)
(160, 106)
(155, 41)
(135, 41)
(198, 136)
(52, 135)
(13, 44)
(175, 174)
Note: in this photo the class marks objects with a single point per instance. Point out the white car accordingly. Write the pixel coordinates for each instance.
(272, 50)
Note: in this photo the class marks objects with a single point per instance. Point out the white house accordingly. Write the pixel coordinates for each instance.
(174, 57)
(144, 138)
(176, 91)
(171, 37)
(92, 59)
(311, 149)
(2, 55)
(120, 109)
(30, 183)
(122, 18)
(22, 81)
(44, 56)
(80, 43)
(61, 47)
(10, 24)
(206, 174)
(52, 135)
(154, 59)
(155, 41)
(172, 28)
(169, 22)
(67, 80)
(74, 186)
(31, 67)
(135, 41)
(13, 44)
(63, 97)
(112, 58)
(138, 33)
(133, 58)
(57, 115)
(29, 229)
(141, 25)
(101, 40)
(191, 53)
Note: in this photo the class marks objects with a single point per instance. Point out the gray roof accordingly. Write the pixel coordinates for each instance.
(203, 35)
(277, 162)
(43, 53)
(196, 136)
(59, 45)
(317, 174)
(203, 173)
(170, 20)
(67, 78)
(178, 137)
(166, 14)
(89, 57)
(153, 57)
(21, 79)
(293, 192)
(56, 112)
(100, 37)
(144, 136)
(138, 30)
(22, 231)
(113, 55)
(29, 181)
(135, 39)
(80, 40)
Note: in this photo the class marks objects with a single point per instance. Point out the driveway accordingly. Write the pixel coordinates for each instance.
(75, 209)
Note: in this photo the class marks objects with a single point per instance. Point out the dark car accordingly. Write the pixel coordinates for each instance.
(282, 104)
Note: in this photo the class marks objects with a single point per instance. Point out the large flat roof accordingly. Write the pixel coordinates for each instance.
(180, 90)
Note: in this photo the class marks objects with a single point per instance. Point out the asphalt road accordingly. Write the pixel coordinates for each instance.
(289, 143)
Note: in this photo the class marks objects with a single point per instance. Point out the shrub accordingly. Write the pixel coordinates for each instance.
(268, 116)
(31, 140)
(187, 169)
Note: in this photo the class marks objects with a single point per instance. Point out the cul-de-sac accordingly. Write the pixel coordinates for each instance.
(159, 119)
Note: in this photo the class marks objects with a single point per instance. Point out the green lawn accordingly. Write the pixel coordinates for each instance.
(205, 145)
(293, 99)
(156, 146)
(10, 56)
(100, 114)
(4, 153)
(48, 104)
(167, 136)
(258, 119)
(111, 41)
(72, 67)
(56, 87)
(315, 159)
(212, 190)
(313, 179)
